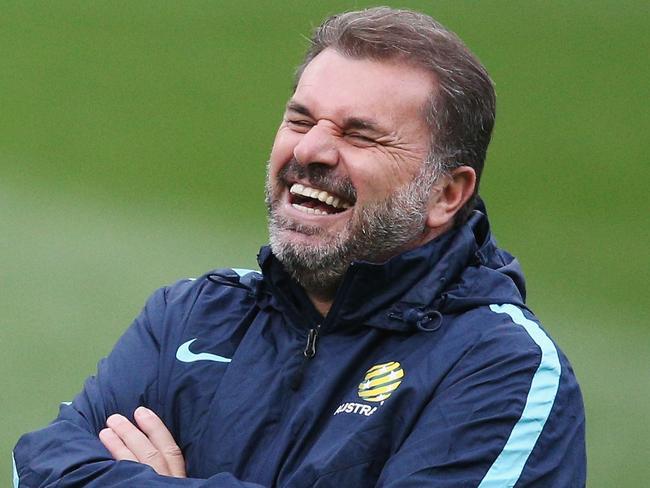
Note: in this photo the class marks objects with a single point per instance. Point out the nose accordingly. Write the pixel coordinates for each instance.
(318, 145)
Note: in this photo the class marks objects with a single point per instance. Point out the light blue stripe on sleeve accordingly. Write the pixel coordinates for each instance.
(16, 479)
(243, 272)
(507, 467)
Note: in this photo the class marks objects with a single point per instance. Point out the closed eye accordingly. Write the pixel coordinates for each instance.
(361, 139)
(300, 124)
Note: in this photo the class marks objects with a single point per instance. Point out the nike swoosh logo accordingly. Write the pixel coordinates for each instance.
(184, 354)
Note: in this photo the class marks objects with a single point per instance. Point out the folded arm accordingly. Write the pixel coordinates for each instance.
(72, 451)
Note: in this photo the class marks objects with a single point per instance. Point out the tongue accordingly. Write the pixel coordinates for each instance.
(317, 204)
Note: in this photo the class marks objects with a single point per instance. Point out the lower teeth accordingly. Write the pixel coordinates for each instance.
(309, 210)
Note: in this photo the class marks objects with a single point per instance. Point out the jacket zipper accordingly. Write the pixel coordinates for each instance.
(312, 338)
(308, 352)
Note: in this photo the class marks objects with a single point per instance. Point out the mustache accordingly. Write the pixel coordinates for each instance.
(320, 176)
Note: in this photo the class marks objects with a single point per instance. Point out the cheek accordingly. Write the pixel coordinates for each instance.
(379, 174)
(372, 176)
(283, 146)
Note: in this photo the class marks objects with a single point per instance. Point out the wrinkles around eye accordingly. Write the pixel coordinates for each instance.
(361, 138)
(304, 126)
(300, 124)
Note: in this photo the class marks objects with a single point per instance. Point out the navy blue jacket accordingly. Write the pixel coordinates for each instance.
(429, 370)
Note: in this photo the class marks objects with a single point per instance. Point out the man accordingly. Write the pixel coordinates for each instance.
(385, 342)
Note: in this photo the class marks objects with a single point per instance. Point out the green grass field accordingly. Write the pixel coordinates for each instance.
(133, 141)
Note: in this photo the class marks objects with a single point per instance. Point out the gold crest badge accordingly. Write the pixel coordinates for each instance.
(381, 381)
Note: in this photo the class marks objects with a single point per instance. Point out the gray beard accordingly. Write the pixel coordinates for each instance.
(376, 232)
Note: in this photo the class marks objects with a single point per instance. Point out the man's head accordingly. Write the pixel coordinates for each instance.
(461, 109)
(389, 123)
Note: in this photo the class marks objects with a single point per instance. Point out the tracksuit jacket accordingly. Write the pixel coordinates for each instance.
(429, 370)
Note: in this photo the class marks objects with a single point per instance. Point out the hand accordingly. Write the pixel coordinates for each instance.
(149, 443)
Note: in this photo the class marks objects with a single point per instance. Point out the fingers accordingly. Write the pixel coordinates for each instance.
(115, 446)
(138, 444)
(149, 443)
(158, 434)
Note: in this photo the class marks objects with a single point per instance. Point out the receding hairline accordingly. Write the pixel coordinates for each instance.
(390, 58)
(460, 113)
(401, 59)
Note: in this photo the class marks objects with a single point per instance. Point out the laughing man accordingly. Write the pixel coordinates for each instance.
(386, 340)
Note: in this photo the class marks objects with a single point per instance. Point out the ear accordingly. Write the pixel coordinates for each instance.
(448, 195)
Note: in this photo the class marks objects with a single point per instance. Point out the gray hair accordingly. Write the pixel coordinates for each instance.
(460, 113)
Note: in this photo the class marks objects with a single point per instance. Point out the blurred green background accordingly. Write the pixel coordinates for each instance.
(133, 141)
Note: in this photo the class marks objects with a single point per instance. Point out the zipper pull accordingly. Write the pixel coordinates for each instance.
(310, 348)
(309, 352)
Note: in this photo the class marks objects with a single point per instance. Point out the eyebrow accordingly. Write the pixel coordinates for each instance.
(299, 108)
(349, 123)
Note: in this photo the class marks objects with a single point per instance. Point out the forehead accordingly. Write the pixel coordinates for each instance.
(335, 86)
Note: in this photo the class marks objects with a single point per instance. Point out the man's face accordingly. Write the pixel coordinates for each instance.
(345, 179)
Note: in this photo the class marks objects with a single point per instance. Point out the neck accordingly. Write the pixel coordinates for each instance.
(322, 299)
(322, 304)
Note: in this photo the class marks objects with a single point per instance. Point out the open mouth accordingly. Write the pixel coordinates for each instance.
(314, 201)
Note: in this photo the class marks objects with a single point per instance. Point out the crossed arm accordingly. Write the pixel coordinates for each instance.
(67, 452)
(150, 442)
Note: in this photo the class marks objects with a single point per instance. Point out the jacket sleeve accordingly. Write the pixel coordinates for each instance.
(510, 414)
(68, 453)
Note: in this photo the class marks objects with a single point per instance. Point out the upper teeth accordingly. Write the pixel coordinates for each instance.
(323, 196)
